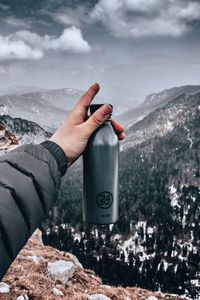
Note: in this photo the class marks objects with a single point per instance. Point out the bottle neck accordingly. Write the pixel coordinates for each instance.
(109, 119)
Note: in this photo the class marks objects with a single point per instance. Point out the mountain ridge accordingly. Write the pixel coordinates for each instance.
(170, 115)
(137, 114)
(155, 243)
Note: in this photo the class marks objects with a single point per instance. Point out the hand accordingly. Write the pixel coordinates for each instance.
(73, 134)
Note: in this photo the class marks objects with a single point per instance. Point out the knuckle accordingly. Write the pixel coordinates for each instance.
(96, 119)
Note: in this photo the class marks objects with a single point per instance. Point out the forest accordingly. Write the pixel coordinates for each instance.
(155, 243)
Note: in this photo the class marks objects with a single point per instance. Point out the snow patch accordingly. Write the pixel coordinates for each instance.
(57, 292)
(152, 298)
(99, 297)
(33, 258)
(174, 196)
(4, 288)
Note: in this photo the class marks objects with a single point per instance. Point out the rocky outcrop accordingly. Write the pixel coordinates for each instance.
(41, 272)
(26, 131)
(8, 140)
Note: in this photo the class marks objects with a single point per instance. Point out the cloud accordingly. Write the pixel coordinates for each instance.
(4, 7)
(140, 18)
(10, 49)
(69, 16)
(70, 40)
(25, 44)
(14, 22)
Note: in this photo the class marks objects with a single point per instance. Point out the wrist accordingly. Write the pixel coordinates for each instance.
(58, 153)
(65, 149)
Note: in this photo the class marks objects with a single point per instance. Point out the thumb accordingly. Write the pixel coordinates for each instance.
(97, 118)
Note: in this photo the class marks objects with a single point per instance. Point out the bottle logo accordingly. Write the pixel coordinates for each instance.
(104, 200)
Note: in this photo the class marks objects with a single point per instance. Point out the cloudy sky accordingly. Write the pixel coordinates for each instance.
(131, 47)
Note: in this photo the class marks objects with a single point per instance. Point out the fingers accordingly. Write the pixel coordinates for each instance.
(121, 136)
(87, 98)
(97, 118)
(119, 129)
(117, 126)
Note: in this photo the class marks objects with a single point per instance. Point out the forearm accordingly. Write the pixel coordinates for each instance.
(30, 177)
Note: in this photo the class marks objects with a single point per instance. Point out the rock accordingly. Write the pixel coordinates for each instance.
(37, 235)
(152, 298)
(75, 259)
(4, 288)
(98, 297)
(33, 258)
(106, 286)
(61, 270)
(25, 275)
(127, 298)
(57, 292)
(2, 134)
(22, 297)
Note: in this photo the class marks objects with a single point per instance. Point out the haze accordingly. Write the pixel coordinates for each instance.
(131, 47)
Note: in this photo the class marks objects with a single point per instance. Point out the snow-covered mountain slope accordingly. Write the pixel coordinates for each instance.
(167, 95)
(26, 131)
(36, 107)
(20, 90)
(8, 140)
(154, 101)
(47, 108)
(179, 112)
(155, 243)
(40, 272)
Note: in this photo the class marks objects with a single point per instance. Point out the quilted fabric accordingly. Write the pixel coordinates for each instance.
(29, 181)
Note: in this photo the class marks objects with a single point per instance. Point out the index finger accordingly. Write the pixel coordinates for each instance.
(88, 96)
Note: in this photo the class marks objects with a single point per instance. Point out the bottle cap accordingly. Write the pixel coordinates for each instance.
(94, 107)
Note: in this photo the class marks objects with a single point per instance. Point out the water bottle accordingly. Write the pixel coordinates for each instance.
(100, 175)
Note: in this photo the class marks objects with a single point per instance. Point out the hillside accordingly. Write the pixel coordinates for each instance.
(19, 90)
(42, 272)
(155, 244)
(156, 241)
(180, 112)
(45, 107)
(26, 131)
(8, 140)
(155, 100)
(34, 107)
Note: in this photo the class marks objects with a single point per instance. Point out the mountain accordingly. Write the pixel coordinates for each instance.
(154, 101)
(47, 108)
(41, 107)
(20, 90)
(26, 131)
(155, 243)
(167, 95)
(8, 140)
(179, 112)
(42, 272)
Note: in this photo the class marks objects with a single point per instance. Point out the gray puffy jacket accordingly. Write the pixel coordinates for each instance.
(30, 177)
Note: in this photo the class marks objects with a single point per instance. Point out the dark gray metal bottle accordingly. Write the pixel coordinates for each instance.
(100, 175)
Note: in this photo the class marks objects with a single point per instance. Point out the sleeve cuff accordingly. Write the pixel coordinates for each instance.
(58, 153)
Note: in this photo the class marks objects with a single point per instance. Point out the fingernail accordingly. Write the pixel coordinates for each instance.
(95, 87)
(106, 109)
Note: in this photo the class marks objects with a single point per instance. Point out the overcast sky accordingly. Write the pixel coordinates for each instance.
(131, 47)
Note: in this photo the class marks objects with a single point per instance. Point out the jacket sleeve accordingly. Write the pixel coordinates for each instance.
(30, 177)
